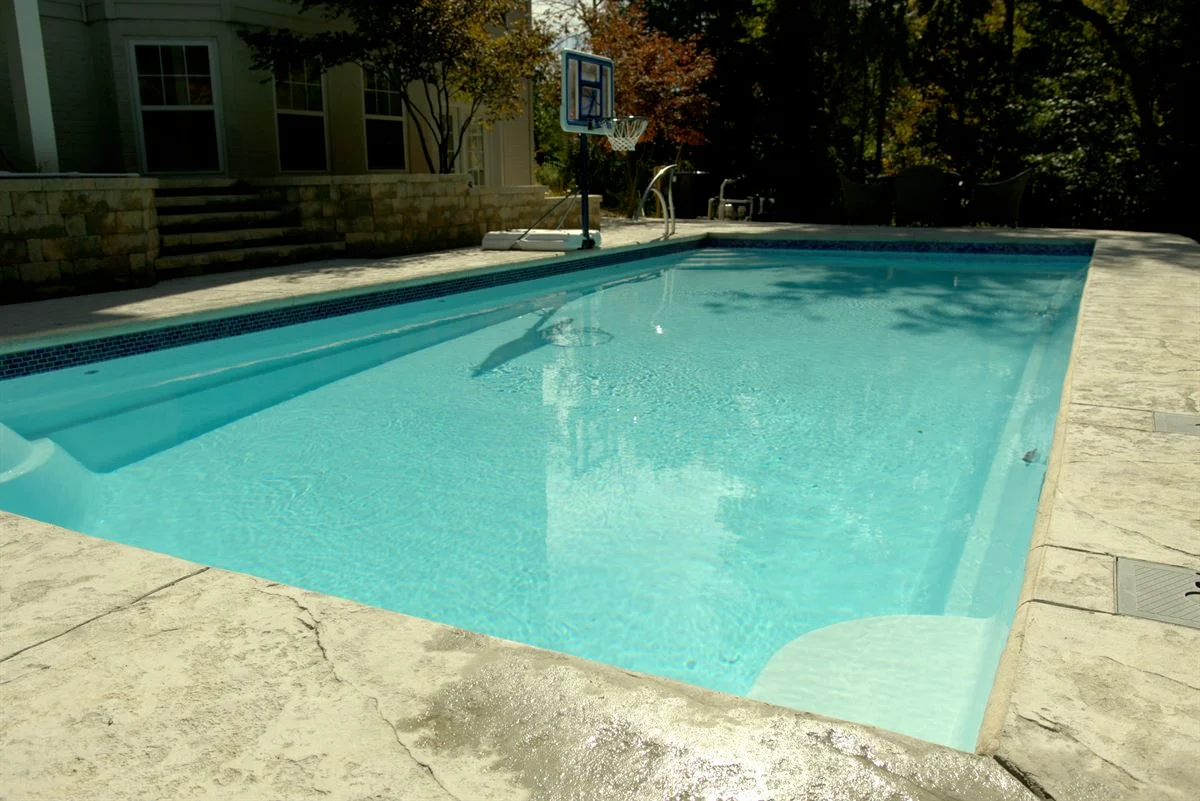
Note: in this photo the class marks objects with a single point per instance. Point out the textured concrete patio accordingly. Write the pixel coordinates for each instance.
(128, 674)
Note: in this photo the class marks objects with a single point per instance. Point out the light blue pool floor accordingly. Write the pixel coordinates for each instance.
(678, 475)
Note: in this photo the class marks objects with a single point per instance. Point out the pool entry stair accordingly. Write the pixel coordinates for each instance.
(920, 675)
(39, 479)
(214, 224)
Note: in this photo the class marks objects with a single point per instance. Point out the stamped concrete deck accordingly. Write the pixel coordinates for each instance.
(128, 674)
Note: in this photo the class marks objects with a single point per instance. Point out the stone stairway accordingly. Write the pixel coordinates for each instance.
(213, 224)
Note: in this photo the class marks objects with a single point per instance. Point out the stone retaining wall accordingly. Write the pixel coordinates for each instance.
(68, 235)
(394, 214)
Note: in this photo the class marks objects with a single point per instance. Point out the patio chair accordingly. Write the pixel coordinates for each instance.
(728, 208)
(866, 204)
(999, 202)
(927, 196)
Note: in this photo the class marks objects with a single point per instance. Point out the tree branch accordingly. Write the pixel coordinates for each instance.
(1139, 91)
(410, 107)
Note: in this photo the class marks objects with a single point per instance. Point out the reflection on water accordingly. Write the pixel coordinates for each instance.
(536, 336)
(636, 551)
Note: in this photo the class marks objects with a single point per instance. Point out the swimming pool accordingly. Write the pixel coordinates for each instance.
(713, 465)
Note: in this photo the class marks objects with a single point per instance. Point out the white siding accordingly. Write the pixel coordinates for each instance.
(77, 93)
(61, 9)
(169, 9)
(9, 140)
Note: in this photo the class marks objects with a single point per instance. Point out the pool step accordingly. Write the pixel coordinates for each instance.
(926, 676)
(208, 261)
(138, 409)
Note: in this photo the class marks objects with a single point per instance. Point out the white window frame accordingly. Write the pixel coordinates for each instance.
(403, 119)
(464, 156)
(131, 45)
(323, 114)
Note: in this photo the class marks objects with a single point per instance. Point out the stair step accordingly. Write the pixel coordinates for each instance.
(247, 203)
(176, 203)
(215, 261)
(225, 236)
(203, 186)
(179, 244)
(170, 223)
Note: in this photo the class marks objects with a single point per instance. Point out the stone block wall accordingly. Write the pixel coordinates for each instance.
(68, 235)
(393, 214)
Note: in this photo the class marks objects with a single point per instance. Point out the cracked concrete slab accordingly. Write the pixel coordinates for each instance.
(1104, 707)
(1111, 416)
(1072, 578)
(41, 600)
(1128, 493)
(227, 686)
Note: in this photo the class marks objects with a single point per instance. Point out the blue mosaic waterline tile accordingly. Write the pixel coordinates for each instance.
(908, 246)
(74, 354)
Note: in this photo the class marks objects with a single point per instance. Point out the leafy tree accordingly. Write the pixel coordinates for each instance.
(657, 76)
(438, 54)
(1096, 96)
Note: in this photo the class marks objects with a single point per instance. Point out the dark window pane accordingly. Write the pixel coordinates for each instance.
(396, 107)
(147, 60)
(314, 98)
(283, 95)
(151, 91)
(301, 142)
(200, 91)
(296, 72)
(370, 103)
(173, 61)
(197, 60)
(181, 141)
(385, 145)
(175, 91)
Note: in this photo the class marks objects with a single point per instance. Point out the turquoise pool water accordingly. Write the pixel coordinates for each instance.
(684, 466)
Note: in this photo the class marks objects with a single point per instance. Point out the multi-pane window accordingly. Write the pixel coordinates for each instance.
(300, 116)
(383, 108)
(471, 158)
(175, 102)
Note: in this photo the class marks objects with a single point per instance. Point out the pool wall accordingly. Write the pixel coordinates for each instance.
(28, 361)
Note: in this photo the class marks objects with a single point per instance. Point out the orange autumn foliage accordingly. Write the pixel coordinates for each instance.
(657, 77)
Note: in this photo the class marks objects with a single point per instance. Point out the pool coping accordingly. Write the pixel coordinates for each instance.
(1066, 644)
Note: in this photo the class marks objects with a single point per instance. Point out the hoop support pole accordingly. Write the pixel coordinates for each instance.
(588, 243)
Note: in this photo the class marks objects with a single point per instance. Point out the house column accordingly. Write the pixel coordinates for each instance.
(21, 33)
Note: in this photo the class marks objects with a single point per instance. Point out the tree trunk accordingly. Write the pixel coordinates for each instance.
(1010, 32)
(1143, 102)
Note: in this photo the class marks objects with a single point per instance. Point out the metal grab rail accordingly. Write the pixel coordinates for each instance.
(668, 203)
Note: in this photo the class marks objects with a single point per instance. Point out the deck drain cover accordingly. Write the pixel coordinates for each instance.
(1158, 592)
(1170, 423)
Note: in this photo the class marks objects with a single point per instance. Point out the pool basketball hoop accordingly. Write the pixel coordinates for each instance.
(623, 132)
(587, 110)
